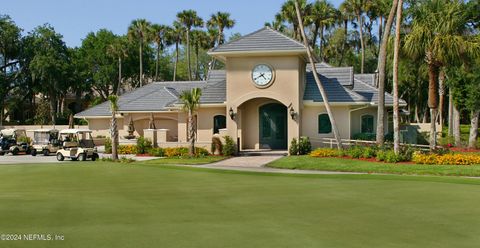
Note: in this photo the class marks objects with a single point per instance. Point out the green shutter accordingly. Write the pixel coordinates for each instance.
(324, 125)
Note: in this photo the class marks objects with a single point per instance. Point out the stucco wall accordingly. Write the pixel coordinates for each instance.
(356, 119)
(286, 89)
(205, 122)
(310, 123)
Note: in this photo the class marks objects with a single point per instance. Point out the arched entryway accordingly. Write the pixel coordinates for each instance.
(273, 126)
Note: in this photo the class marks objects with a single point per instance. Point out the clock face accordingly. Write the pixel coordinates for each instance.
(262, 75)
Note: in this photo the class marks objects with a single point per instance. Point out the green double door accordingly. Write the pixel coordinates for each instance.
(273, 126)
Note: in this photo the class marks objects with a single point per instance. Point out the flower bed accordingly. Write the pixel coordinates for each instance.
(446, 159)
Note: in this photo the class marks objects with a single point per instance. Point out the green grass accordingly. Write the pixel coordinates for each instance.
(341, 164)
(187, 161)
(144, 205)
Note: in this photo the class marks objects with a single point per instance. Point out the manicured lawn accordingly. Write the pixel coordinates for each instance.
(341, 164)
(143, 205)
(190, 161)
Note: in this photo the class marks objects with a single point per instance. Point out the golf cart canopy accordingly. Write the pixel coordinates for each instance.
(43, 130)
(11, 132)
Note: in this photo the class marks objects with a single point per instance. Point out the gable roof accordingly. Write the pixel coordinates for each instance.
(264, 39)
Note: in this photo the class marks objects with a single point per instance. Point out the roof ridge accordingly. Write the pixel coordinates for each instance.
(232, 41)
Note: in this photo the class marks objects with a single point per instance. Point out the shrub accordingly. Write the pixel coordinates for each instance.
(381, 155)
(121, 160)
(157, 152)
(176, 151)
(293, 150)
(108, 146)
(127, 149)
(392, 157)
(229, 149)
(202, 152)
(304, 146)
(369, 152)
(365, 136)
(355, 151)
(143, 145)
(325, 152)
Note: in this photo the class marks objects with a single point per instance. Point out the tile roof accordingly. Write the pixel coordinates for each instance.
(265, 39)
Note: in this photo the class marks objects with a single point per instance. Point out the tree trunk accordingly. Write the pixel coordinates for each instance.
(380, 28)
(321, 44)
(176, 62)
(114, 136)
(362, 45)
(156, 62)
(116, 86)
(188, 56)
(345, 33)
(191, 133)
(441, 93)
(53, 109)
(315, 35)
(450, 112)
(141, 63)
(382, 64)
(456, 127)
(472, 139)
(432, 99)
(197, 64)
(317, 79)
(396, 115)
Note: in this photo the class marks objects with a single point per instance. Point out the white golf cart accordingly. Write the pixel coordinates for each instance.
(77, 144)
(45, 141)
(13, 141)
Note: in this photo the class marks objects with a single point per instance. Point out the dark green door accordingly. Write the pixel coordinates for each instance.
(273, 126)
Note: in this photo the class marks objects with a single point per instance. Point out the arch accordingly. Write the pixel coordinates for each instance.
(262, 94)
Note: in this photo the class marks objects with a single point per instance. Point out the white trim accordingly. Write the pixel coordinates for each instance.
(97, 117)
(312, 103)
(145, 111)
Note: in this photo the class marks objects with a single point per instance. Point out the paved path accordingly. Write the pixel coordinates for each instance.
(247, 161)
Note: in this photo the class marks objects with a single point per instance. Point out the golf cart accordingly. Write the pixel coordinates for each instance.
(77, 144)
(45, 141)
(13, 141)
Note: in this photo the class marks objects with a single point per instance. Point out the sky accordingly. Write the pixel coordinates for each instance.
(74, 19)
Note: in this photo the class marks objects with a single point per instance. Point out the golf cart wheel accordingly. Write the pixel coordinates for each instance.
(82, 157)
(34, 152)
(60, 157)
(94, 157)
(46, 152)
(15, 151)
(28, 150)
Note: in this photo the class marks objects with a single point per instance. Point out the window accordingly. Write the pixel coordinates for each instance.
(219, 122)
(324, 125)
(367, 124)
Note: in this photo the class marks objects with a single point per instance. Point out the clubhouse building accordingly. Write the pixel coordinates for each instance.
(265, 97)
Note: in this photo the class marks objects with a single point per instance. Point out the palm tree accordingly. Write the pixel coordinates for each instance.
(288, 14)
(190, 103)
(396, 117)
(118, 50)
(316, 77)
(322, 15)
(437, 36)
(199, 41)
(382, 64)
(139, 30)
(189, 19)
(356, 8)
(219, 21)
(175, 35)
(113, 125)
(159, 36)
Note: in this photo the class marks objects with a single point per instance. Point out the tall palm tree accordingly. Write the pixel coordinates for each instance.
(322, 15)
(382, 64)
(139, 30)
(357, 8)
(189, 19)
(190, 103)
(159, 37)
(396, 116)
(315, 75)
(437, 36)
(118, 50)
(199, 41)
(288, 14)
(113, 125)
(219, 21)
(175, 36)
